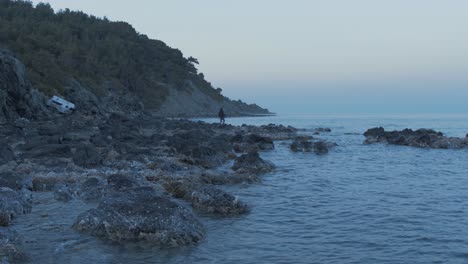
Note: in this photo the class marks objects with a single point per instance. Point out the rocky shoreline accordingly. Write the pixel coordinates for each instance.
(146, 177)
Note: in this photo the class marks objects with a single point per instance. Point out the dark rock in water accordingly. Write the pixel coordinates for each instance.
(62, 194)
(12, 204)
(215, 201)
(322, 129)
(140, 214)
(300, 145)
(252, 163)
(87, 156)
(278, 128)
(318, 147)
(11, 246)
(423, 138)
(206, 198)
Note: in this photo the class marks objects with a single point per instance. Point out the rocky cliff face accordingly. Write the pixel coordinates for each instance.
(192, 102)
(17, 96)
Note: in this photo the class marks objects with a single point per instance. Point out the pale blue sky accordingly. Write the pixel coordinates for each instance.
(315, 55)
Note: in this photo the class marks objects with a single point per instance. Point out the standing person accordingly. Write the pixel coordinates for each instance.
(221, 116)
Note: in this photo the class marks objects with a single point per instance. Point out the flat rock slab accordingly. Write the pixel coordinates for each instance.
(141, 215)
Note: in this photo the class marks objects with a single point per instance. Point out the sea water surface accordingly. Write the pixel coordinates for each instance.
(357, 204)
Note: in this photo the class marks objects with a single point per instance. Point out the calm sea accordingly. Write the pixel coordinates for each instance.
(357, 204)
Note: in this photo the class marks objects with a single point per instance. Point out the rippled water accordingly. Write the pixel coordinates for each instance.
(357, 204)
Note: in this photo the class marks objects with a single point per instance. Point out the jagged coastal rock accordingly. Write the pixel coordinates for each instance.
(252, 163)
(17, 96)
(140, 214)
(422, 138)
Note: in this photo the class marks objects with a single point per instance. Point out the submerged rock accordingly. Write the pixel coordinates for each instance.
(141, 214)
(422, 138)
(300, 145)
(62, 194)
(252, 163)
(11, 246)
(215, 201)
(318, 147)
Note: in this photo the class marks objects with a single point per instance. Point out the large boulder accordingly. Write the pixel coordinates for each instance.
(252, 163)
(141, 214)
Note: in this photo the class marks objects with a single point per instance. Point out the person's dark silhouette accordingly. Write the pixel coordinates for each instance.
(221, 116)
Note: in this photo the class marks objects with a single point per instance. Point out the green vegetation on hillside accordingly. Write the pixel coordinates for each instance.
(58, 47)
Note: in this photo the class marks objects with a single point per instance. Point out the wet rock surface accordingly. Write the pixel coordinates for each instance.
(141, 214)
(252, 163)
(144, 175)
(422, 138)
(304, 145)
(206, 198)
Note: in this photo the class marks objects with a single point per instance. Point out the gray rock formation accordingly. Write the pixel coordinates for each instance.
(140, 214)
(197, 102)
(17, 96)
(422, 138)
(206, 198)
(252, 163)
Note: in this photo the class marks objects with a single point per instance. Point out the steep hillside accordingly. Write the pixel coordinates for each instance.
(88, 59)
